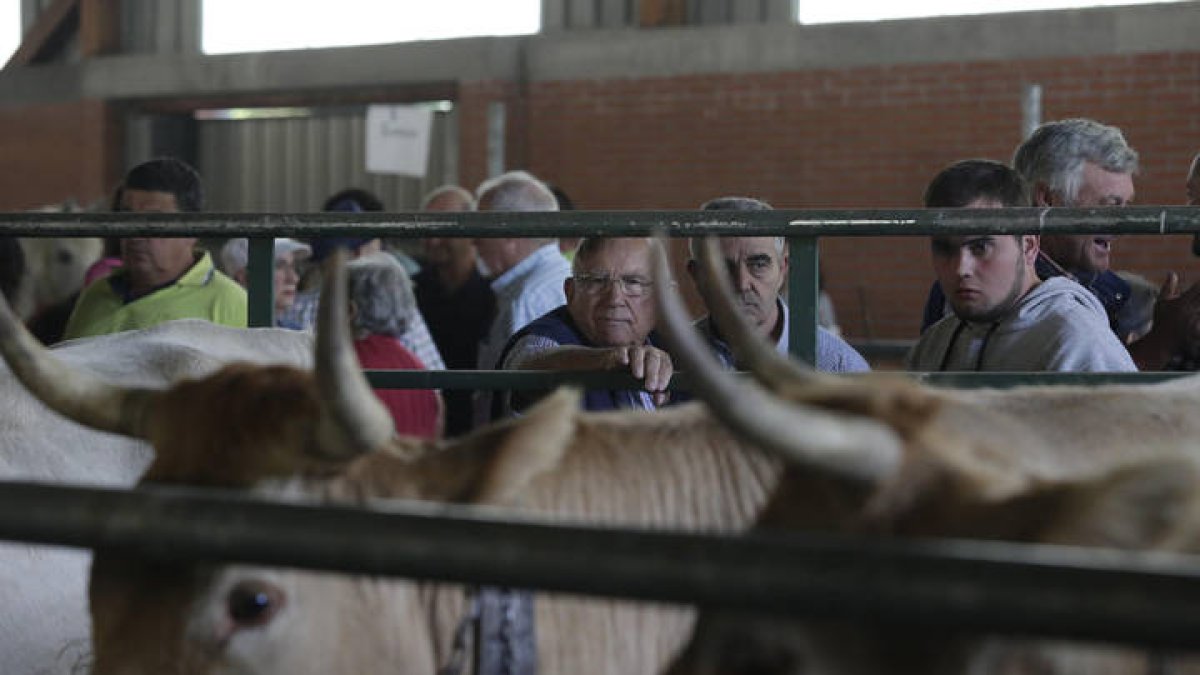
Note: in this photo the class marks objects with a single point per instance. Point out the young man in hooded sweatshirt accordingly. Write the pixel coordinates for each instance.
(1003, 317)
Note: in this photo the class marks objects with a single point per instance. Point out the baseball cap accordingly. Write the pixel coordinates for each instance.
(285, 247)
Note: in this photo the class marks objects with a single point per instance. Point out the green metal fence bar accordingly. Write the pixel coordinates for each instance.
(803, 289)
(549, 379)
(261, 282)
(508, 379)
(1128, 597)
(801, 225)
(820, 223)
(965, 380)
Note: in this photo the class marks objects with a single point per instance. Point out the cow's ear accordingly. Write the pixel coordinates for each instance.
(1149, 506)
(532, 446)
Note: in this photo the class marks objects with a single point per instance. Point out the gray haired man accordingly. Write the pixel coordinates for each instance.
(527, 273)
(1083, 163)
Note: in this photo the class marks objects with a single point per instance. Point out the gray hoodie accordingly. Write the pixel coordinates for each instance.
(1059, 325)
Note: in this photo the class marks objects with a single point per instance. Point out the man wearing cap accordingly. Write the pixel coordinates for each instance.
(234, 259)
(160, 278)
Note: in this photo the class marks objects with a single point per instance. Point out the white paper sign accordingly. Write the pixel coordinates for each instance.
(398, 139)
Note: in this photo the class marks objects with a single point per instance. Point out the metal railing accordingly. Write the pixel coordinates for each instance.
(1093, 594)
(802, 227)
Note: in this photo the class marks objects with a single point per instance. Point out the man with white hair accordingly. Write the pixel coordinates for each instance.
(527, 272)
(1083, 163)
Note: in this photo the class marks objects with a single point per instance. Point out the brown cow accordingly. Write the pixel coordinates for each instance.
(877, 454)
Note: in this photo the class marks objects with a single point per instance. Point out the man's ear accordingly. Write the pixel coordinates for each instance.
(1031, 244)
(1042, 195)
(569, 289)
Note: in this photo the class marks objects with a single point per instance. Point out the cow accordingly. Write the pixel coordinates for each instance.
(44, 626)
(879, 454)
(54, 266)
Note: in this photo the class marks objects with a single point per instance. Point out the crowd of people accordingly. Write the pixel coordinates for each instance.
(1000, 302)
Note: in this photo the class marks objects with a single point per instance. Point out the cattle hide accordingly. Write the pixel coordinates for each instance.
(44, 625)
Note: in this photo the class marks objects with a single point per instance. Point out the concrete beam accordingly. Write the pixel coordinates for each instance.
(142, 77)
(783, 47)
(621, 54)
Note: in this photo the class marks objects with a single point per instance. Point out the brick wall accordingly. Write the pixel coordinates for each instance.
(51, 152)
(860, 137)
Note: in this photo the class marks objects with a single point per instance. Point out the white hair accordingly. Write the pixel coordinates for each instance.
(1054, 155)
(516, 191)
(382, 295)
(464, 196)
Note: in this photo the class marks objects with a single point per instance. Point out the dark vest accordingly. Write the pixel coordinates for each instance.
(557, 325)
(1111, 290)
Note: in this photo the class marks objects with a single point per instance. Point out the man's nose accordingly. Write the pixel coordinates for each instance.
(613, 292)
(964, 265)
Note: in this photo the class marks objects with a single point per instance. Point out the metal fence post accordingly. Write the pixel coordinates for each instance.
(802, 298)
(261, 278)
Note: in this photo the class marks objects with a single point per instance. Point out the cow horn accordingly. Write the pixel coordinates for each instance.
(753, 352)
(855, 448)
(75, 394)
(353, 420)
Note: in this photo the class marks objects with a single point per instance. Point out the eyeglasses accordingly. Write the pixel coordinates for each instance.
(594, 284)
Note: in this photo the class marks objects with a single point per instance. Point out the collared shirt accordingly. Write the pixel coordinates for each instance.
(200, 293)
(834, 355)
(531, 288)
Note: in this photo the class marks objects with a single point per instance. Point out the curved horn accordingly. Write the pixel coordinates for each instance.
(353, 420)
(776, 371)
(75, 394)
(855, 448)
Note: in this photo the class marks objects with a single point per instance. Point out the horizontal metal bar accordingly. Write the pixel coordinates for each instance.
(549, 379)
(1008, 380)
(882, 348)
(516, 380)
(793, 223)
(1145, 598)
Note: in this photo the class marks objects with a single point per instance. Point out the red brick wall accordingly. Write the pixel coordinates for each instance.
(54, 151)
(859, 137)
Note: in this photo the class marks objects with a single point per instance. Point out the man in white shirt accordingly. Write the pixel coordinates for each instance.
(527, 273)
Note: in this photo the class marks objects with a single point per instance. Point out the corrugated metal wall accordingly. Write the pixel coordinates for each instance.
(294, 164)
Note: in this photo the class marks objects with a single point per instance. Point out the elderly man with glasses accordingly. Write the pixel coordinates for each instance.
(607, 324)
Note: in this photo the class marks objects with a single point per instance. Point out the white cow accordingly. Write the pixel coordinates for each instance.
(54, 266)
(44, 626)
(54, 270)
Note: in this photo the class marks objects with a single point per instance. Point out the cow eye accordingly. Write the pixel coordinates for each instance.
(254, 603)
